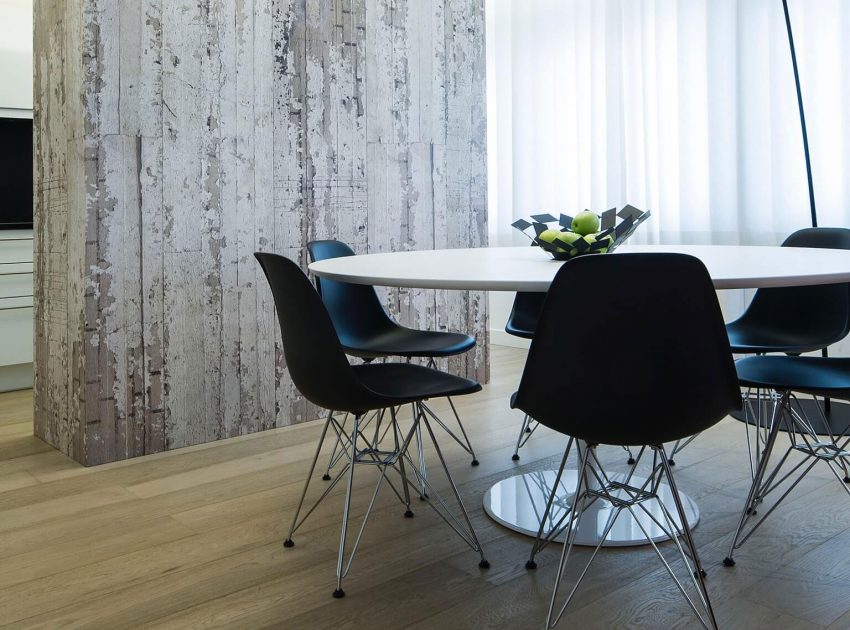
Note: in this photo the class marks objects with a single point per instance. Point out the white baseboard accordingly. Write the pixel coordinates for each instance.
(13, 377)
(501, 338)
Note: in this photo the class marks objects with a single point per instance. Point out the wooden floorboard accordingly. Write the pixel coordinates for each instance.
(191, 539)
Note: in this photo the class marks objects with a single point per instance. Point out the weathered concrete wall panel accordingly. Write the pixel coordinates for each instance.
(176, 138)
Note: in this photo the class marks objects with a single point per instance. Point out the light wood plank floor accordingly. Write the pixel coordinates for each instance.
(191, 539)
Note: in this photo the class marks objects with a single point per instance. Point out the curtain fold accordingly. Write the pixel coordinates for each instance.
(686, 107)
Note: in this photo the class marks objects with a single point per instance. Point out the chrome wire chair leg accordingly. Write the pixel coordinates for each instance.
(554, 531)
(678, 447)
(336, 454)
(463, 528)
(467, 445)
(526, 430)
(463, 438)
(346, 508)
(752, 496)
(404, 480)
(571, 528)
(698, 571)
(288, 542)
(420, 448)
(757, 421)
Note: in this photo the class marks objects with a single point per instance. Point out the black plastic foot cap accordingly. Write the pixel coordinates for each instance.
(672, 462)
(408, 514)
(847, 479)
(483, 564)
(631, 461)
(751, 512)
(528, 429)
(515, 457)
(288, 543)
(475, 462)
(339, 593)
(531, 565)
(728, 562)
(326, 477)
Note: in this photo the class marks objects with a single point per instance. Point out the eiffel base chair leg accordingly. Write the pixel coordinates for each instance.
(360, 450)
(593, 485)
(782, 477)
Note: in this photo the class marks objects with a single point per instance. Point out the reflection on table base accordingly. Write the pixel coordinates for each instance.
(519, 502)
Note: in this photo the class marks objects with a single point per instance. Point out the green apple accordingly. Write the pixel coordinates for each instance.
(592, 238)
(568, 238)
(548, 236)
(585, 222)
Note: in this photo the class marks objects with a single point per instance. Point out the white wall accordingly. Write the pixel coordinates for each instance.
(15, 55)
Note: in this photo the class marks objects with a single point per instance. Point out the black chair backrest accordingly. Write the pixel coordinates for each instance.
(525, 313)
(316, 361)
(630, 349)
(819, 313)
(355, 309)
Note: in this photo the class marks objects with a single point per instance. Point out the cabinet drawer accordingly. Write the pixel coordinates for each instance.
(15, 249)
(15, 333)
(15, 285)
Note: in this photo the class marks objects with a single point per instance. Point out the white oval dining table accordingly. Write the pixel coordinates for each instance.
(518, 502)
(531, 269)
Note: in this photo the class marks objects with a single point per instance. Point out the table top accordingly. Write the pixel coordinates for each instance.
(531, 269)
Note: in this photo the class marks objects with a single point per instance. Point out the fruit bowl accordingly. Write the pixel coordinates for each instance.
(586, 233)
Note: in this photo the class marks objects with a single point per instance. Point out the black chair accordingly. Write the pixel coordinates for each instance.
(793, 320)
(321, 372)
(522, 323)
(367, 332)
(796, 320)
(815, 376)
(613, 363)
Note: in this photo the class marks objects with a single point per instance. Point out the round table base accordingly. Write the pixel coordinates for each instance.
(518, 503)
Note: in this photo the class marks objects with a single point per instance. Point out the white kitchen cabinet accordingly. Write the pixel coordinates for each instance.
(16, 289)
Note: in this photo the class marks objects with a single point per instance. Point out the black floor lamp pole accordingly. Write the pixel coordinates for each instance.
(802, 114)
(812, 205)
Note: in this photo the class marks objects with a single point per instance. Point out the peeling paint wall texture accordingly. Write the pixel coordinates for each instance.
(176, 137)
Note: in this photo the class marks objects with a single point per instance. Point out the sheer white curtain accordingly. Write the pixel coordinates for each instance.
(685, 107)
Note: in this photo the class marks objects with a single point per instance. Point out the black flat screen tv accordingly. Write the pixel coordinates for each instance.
(16, 189)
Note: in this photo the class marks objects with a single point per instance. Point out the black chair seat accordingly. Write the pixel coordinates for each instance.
(363, 326)
(524, 314)
(808, 375)
(406, 342)
(524, 333)
(747, 337)
(402, 383)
